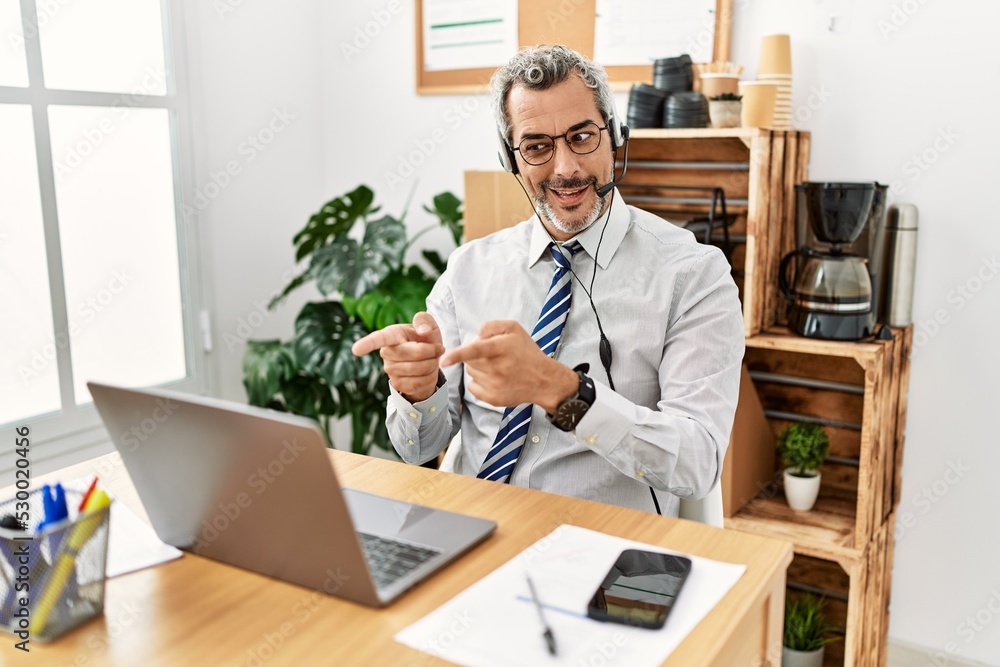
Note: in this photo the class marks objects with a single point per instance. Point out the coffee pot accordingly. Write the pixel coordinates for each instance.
(829, 281)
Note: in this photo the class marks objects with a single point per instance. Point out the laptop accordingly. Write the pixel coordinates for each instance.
(255, 488)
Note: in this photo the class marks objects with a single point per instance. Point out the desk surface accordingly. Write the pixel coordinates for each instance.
(198, 611)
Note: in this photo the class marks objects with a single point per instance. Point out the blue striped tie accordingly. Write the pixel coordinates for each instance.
(514, 426)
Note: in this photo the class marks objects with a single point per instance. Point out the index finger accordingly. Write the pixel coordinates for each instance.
(395, 334)
(477, 349)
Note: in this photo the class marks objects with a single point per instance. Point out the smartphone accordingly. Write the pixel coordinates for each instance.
(640, 589)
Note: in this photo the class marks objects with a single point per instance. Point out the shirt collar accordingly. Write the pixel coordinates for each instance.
(590, 238)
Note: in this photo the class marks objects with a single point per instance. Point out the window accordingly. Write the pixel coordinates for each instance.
(93, 246)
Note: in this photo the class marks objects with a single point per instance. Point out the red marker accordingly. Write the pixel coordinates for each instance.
(86, 496)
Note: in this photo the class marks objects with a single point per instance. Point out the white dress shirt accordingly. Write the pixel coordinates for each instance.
(671, 311)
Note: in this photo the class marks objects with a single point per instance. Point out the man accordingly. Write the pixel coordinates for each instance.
(642, 431)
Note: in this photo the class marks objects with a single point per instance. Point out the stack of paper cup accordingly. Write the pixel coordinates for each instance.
(775, 66)
(758, 103)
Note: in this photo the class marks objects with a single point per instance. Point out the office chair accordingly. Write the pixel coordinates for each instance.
(708, 510)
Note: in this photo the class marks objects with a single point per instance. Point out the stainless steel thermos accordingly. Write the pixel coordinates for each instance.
(901, 251)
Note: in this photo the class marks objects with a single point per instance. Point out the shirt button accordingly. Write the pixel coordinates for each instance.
(433, 408)
(410, 441)
(535, 439)
(413, 415)
(640, 473)
(591, 439)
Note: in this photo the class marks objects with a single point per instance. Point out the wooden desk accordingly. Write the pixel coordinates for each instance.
(195, 611)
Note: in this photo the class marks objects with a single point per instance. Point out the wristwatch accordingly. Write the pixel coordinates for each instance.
(571, 411)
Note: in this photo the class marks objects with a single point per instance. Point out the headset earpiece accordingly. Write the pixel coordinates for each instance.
(506, 154)
(617, 131)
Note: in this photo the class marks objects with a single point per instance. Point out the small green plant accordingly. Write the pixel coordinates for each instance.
(726, 97)
(805, 625)
(803, 447)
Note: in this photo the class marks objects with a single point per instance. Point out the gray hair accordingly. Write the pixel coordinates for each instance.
(541, 67)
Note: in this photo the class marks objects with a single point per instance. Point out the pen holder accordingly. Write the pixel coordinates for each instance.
(51, 580)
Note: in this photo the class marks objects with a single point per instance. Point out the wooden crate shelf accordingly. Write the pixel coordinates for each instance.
(756, 168)
(857, 387)
(857, 598)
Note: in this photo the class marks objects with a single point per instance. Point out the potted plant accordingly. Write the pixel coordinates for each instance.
(368, 286)
(725, 109)
(806, 632)
(803, 448)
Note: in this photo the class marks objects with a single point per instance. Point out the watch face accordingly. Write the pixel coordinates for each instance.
(570, 413)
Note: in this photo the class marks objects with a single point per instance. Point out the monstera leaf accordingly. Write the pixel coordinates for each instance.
(345, 266)
(334, 219)
(365, 403)
(396, 300)
(266, 365)
(308, 395)
(447, 209)
(324, 334)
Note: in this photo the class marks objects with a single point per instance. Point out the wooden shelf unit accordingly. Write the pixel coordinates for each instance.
(756, 168)
(844, 546)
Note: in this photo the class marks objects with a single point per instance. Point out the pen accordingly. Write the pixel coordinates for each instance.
(550, 639)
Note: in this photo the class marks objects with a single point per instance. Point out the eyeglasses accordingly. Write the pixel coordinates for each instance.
(539, 149)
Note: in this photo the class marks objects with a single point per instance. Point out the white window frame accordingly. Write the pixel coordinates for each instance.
(75, 432)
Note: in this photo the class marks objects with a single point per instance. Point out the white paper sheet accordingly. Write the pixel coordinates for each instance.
(494, 623)
(637, 32)
(463, 34)
(133, 544)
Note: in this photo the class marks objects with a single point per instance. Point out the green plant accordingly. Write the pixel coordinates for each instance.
(803, 447)
(805, 625)
(367, 286)
(726, 97)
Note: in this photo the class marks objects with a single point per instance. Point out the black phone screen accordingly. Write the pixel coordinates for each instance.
(640, 589)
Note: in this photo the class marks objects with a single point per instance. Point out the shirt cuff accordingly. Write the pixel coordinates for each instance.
(422, 412)
(607, 422)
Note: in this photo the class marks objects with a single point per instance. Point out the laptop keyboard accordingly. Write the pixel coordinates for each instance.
(389, 560)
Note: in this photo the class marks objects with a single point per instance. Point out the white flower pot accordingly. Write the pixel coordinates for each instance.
(725, 113)
(793, 658)
(801, 492)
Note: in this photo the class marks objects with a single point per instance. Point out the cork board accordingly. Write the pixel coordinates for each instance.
(567, 22)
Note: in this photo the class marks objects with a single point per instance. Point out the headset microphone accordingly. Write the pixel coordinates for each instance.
(608, 187)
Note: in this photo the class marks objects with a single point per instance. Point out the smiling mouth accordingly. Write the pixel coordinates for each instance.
(569, 196)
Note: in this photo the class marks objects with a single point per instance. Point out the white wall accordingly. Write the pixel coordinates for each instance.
(888, 100)
(255, 73)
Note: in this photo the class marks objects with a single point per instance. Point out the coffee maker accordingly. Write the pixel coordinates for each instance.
(832, 282)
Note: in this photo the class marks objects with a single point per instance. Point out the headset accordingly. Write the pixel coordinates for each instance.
(619, 133)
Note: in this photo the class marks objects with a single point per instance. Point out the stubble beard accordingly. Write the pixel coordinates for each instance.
(570, 226)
